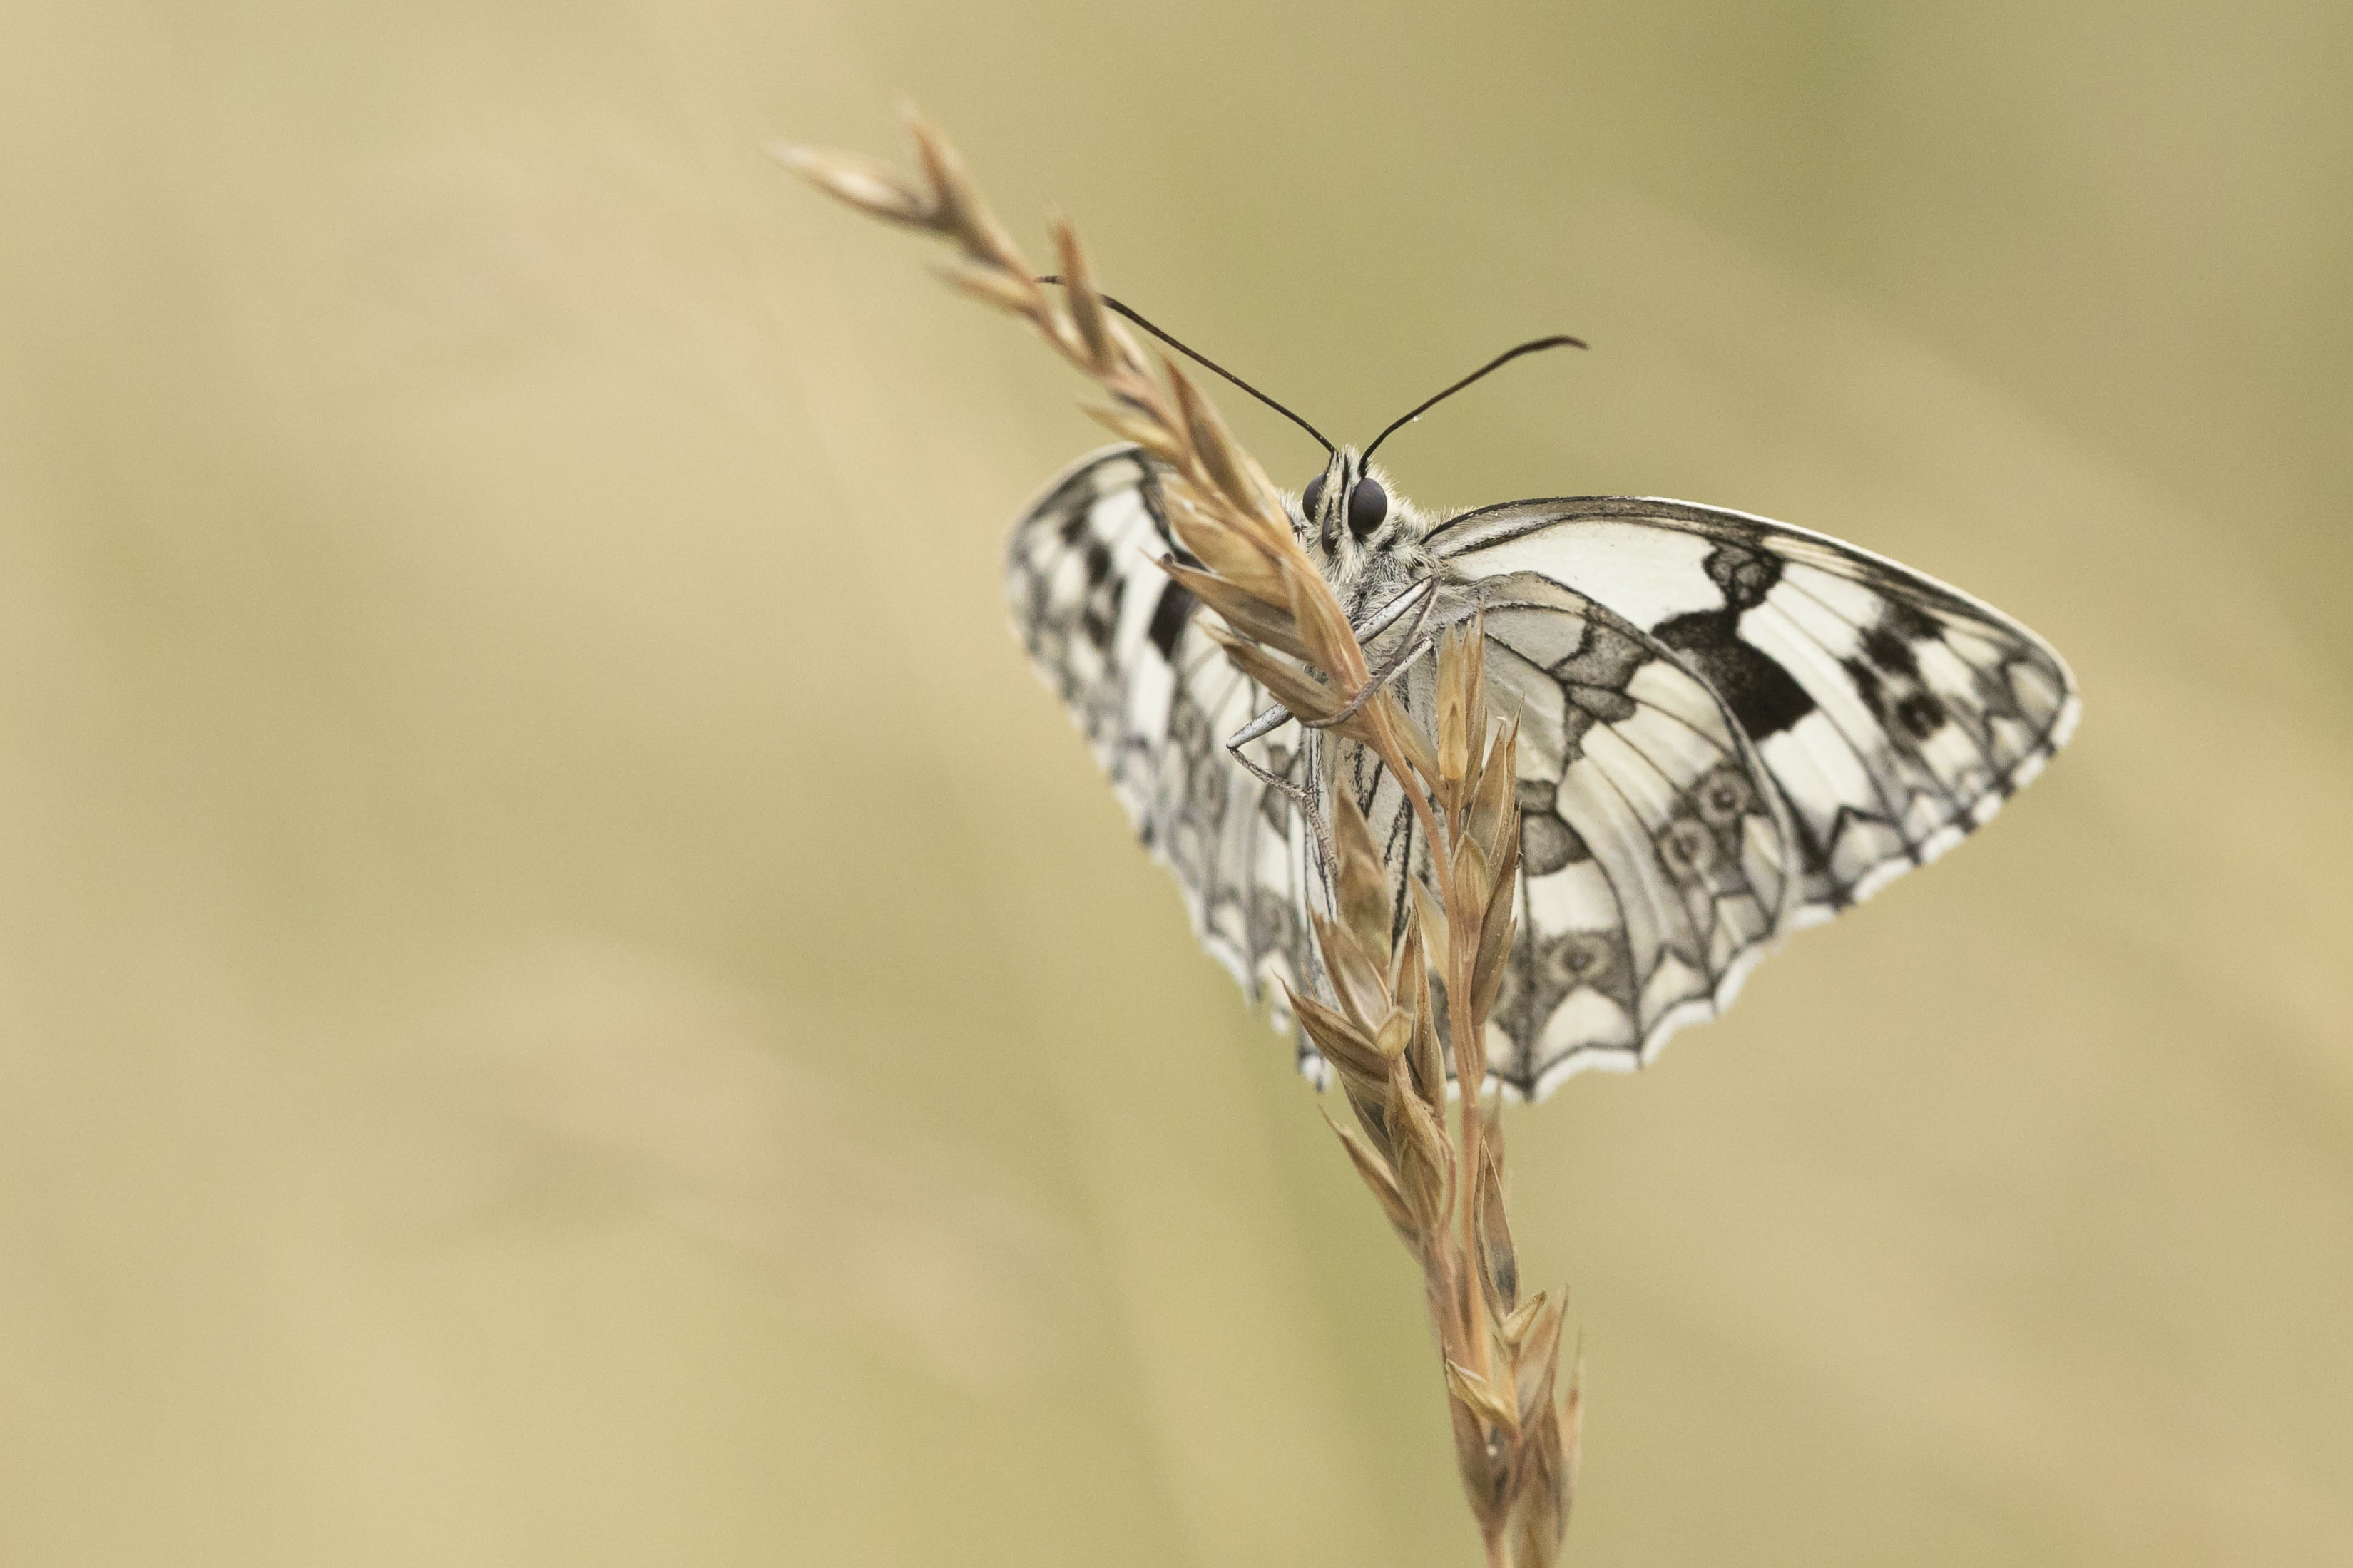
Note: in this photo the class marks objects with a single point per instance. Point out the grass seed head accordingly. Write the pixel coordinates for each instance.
(1386, 1032)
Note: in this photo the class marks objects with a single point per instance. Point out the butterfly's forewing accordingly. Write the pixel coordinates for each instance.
(1114, 638)
(1892, 715)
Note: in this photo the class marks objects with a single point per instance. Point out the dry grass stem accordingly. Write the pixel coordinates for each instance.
(1411, 987)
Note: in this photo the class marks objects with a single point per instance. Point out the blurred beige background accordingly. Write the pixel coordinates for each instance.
(566, 998)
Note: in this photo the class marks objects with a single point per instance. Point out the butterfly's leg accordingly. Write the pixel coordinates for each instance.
(1415, 645)
(1266, 723)
(1299, 795)
(1424, 592)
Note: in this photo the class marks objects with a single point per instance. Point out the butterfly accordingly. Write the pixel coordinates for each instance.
(1730, 728)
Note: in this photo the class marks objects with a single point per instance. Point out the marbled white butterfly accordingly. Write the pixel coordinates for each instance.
(1731, 729)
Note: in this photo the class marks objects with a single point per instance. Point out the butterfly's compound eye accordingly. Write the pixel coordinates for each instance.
(1313, 496)
(1367, 504)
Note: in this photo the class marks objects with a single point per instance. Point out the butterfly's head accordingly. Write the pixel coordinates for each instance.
(1348, 508)
(1348, 514)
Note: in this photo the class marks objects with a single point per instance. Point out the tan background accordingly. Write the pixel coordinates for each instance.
(565, 999)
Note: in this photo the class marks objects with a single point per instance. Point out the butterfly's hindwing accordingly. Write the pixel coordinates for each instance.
(1114, 638)
(1657, 860)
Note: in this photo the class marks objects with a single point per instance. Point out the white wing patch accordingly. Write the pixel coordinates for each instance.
(1114, 638)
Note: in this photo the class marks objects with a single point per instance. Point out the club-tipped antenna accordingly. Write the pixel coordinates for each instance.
(1206, 362)
(1498, 362)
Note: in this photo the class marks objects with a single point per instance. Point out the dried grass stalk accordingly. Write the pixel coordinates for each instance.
(1393, 972)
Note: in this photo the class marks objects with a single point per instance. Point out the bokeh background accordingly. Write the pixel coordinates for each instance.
(566, 998)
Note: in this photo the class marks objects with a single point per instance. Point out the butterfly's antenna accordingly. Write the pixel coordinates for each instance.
(1209, 363)
(1497, 363)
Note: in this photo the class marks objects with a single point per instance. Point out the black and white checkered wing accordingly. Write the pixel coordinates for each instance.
(1881, 717)
(1115, 639)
